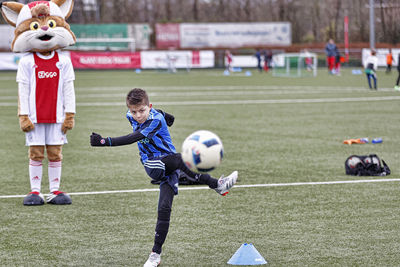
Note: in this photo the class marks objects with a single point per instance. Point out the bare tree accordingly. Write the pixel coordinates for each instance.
(382, 17)
(312, 20)
(338, 10)
(358, 21)
(316, 20)
(195, 10)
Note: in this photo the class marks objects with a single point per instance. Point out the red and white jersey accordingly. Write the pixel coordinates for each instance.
(46, 90)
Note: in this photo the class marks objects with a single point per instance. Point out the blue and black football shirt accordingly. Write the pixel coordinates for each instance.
(157, 141)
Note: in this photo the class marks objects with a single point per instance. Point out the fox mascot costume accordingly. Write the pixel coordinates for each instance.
(46, 94)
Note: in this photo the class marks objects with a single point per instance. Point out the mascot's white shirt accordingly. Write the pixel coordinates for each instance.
(45, 87)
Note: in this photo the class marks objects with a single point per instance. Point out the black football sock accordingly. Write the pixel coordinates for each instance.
(174, 162)
(160, 236)
(205, 178)
(164, 215)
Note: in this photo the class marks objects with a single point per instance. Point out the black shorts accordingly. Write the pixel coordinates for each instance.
(155, 168)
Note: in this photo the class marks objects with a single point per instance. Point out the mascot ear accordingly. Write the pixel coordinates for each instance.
(66, 6)
(10, 11)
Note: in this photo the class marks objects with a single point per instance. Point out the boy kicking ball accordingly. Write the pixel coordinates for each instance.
(160, 160)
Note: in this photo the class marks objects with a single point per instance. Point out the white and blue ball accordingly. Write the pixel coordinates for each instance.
(202, 151)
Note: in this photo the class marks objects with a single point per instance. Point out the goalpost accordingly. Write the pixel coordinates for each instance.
(295, 64)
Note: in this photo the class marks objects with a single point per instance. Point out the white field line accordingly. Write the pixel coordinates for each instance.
(253, 101)
(224, 88)
(7, 78)
(236, 186)
(230, 87)
(151, 89)
(238, 102)
(198, 93)
(211, 93)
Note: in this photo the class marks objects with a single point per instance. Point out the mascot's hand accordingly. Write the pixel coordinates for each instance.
(25, 123)
(69, 122)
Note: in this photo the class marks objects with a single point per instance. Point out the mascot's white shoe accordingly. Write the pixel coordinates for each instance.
(33, 199)
(59, 198)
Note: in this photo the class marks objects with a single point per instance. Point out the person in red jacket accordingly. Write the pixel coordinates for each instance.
(331, 51)
(389, 61)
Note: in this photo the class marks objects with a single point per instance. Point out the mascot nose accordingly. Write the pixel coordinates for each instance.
(45, 28)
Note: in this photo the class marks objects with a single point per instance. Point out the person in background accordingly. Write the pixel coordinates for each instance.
(331, 51)
(258, 57)
(371, 66)
(389, 61)
(338, 61)
(397, 87)
(308, 60)
(228, 60)
(267, 60)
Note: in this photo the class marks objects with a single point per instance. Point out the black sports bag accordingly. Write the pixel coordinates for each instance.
(366, 166)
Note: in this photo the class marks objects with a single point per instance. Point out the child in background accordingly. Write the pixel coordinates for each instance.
(371, 66)
(389, 61)
(228, 60)
(338, 61)
(397, 87)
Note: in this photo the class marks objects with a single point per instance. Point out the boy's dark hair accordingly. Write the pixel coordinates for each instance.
(137, 96)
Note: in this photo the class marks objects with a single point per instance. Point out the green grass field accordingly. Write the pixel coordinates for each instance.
(274, 130)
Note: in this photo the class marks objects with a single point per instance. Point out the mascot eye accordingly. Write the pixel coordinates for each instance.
(34, 26)
(51, 23)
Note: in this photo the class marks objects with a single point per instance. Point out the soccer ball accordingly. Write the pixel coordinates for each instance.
(353, 162)
(202, 151)
(373, 160)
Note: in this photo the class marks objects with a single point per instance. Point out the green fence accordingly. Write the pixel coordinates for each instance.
(112, 37)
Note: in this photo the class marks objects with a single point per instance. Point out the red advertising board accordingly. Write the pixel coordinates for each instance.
(105, 60)
(167, 35)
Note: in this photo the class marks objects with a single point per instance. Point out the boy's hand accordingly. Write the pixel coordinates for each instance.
(97, 140)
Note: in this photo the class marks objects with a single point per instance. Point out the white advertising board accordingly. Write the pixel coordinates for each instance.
(9, 61)
(7, 36)
(141, 33)
(244, 61)
(381, 54)
(235, 34)
(179, 59)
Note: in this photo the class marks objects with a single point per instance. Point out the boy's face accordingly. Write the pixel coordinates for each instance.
(140, 112)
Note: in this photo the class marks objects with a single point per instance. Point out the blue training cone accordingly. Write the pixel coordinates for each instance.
(247, 254)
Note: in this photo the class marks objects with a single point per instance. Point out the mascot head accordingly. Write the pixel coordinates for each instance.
(39, 26)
